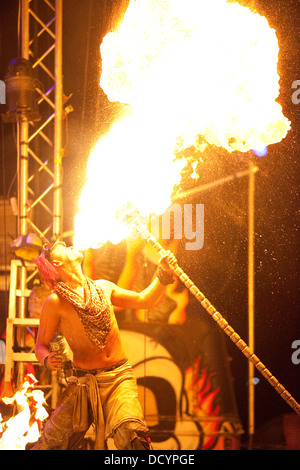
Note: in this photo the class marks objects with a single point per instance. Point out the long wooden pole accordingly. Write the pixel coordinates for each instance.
(134, 222)
(251, 310)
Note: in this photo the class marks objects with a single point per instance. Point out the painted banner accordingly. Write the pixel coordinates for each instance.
(178, 355)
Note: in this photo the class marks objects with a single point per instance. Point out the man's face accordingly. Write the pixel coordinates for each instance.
(66, 254)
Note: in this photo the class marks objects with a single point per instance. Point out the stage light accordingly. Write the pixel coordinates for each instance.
(21, 97)
(27, 247)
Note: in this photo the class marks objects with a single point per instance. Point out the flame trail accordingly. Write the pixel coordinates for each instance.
(189, 71)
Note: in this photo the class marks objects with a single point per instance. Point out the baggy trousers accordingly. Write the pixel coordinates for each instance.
(109, 399)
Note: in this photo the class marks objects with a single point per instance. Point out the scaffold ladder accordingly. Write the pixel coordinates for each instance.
(16, 348)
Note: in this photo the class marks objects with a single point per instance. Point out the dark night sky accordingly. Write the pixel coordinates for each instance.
(220, 267)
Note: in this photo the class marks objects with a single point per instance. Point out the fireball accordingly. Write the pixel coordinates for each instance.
(184, 69)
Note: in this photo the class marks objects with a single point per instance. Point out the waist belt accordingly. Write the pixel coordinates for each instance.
(78, 372)
(87, 391)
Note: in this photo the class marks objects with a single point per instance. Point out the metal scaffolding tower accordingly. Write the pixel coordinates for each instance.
(48, 136)
(39, 160)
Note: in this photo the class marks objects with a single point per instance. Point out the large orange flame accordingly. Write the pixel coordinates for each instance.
(185, 68)
(24, 427)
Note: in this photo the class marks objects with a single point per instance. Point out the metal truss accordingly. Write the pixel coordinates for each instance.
(41, 149)
(39, 167)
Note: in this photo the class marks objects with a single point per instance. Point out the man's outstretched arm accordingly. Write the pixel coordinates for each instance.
(147, 298)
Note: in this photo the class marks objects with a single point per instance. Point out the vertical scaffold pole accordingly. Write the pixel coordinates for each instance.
(251, 305)
(22, 173)
(57, 192)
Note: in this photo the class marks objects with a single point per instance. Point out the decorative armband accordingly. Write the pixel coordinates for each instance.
(164, 278)
(45, 362)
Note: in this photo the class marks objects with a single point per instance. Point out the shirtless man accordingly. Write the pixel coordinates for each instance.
(102, 357)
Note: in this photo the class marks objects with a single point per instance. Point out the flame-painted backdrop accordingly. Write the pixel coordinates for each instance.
(178, 356)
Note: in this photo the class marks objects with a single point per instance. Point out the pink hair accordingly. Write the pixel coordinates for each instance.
(47, 271)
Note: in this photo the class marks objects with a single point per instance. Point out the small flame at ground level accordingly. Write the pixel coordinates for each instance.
(24, 427)
(194, 73)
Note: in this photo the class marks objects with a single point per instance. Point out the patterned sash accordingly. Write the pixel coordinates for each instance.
(93, 310)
